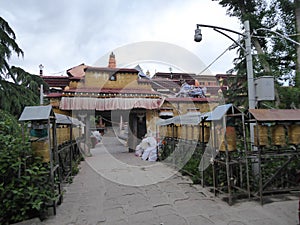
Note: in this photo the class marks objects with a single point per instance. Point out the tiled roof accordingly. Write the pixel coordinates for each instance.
(79, 71)
(188, 77)
(161, 83)
(183, 76)
(215, 90)
(264, 115)
(54, 95)
(225, 75)
(113, 90)
(187, 99)
(56, 81)
(170, 84)
(75, 78)
(124, 70)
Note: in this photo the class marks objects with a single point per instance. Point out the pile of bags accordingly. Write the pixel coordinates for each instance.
(96, 138)
(187, 90)
(147, 149)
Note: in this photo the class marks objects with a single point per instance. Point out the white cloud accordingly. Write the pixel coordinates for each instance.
(61, 34)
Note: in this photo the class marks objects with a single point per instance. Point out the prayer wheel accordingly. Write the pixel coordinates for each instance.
(262, 138)
(76, 132)
(175, 131)
(196, 133)
(230, 138)
(62, 135)
(41, 149)
(179, 134)
(206, 134)
(189, 133)
(294, 134)
(59, 136)
(169, 131)
(163, 131)
(183, 131)
(278, 135)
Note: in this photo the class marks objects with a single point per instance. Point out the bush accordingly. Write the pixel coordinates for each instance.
(24, 180)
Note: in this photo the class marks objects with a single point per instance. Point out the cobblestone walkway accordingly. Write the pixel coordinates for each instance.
(114, 187)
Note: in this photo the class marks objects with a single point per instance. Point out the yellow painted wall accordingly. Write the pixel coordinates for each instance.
(153, 115)
(123, 80)
(180, 108)
(73, 84)
(55, 102)
(151, 118)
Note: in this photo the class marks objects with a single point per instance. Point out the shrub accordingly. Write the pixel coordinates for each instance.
(24, 180)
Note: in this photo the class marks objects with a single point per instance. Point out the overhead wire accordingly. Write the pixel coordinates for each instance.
(229, 48)
(236, 43)
(60, 72)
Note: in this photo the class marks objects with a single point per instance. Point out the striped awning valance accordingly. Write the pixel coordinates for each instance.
(101, 104)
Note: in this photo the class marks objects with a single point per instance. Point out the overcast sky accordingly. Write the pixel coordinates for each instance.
(61, 34)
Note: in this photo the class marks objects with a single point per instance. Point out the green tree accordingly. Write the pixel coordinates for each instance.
(18, 88)
(272, 54)
(246, 10)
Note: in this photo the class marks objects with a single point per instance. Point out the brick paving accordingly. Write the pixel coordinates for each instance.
(114, 187)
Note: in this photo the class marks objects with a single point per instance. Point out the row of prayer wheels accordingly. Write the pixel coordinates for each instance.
(41, 147)
(277, 135)
(185, 132)
(194, 133)
(63, 134)
(230, 140)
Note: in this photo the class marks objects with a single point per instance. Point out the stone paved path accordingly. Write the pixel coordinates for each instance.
(114, 187)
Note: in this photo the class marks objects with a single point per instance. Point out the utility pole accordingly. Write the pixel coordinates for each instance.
(250, 78)
(247, 49)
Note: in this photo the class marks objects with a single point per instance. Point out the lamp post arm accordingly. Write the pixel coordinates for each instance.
(281, 35)
(250, 79)
(226, 35)
(220, 28)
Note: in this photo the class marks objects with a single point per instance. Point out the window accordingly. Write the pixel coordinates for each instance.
(113, 77)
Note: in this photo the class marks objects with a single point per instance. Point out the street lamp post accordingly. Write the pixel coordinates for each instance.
(250, 79)
(251, 88)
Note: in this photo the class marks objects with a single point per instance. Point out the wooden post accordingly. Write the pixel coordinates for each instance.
(87, 134)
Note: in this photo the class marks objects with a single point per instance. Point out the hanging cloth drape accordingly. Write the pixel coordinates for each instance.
(101, 104)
